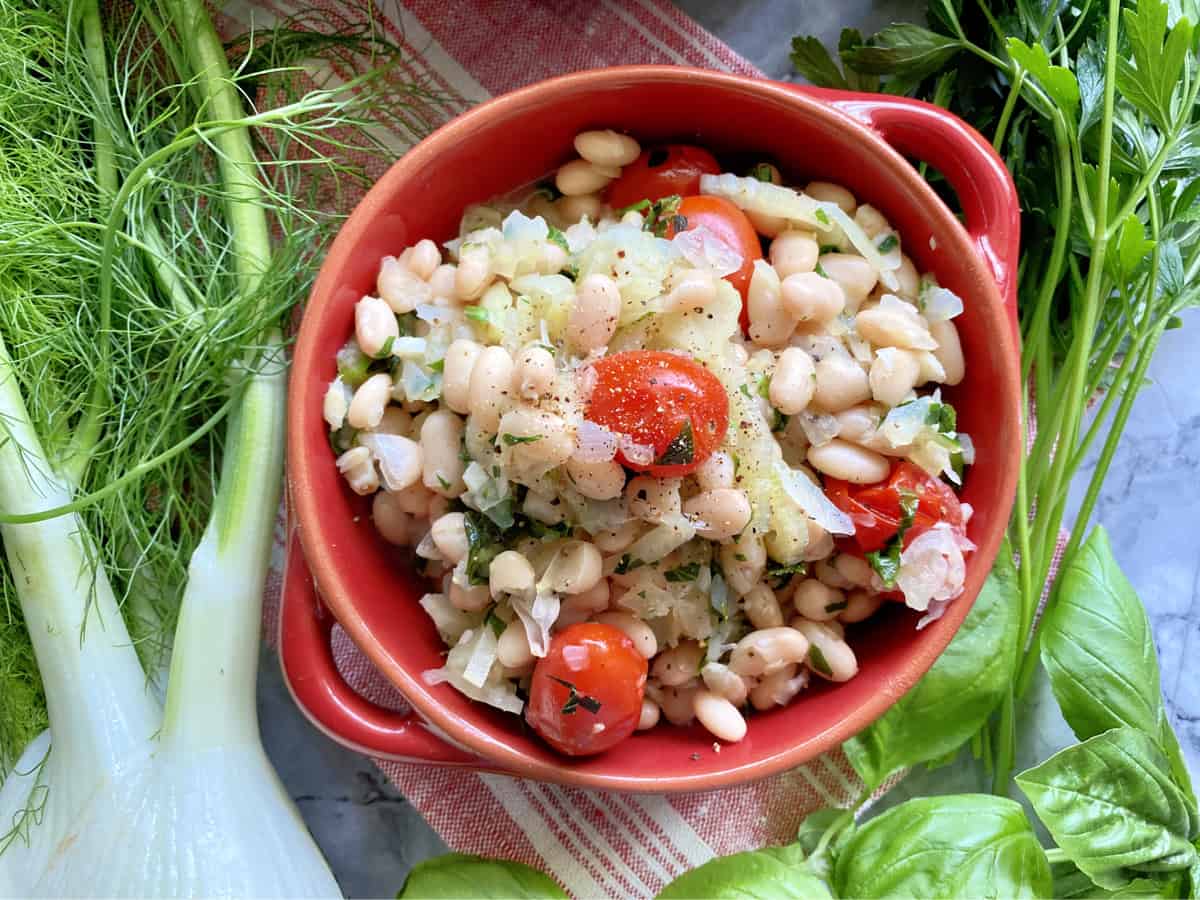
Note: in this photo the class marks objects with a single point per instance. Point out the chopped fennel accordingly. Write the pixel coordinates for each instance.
(932, 567)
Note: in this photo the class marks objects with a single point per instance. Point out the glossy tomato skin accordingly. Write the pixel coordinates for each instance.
(730, 225)
(586, 693)
(661, 171)
(655, 398)
(876, 511)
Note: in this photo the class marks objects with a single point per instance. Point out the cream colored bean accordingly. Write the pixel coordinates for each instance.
(858, 422)
(829, 655)
(949, 351)
(793, 252)
(512, 647)
(414, 499)
(743, 561)
(770, 323)
(534, 373)
(853, 274)
(854, 569)
(441, 282)
(720, 514)
(677, 702)
(678, 665)
(762, 607)
(400, 288)
(894, 373)
(828, 192)
(767, 650)
(929, 367)
(614, 540)
(581, 177)
(474, 272)
(719, 716)
(391, 521)
(840, 383)
(359, 471)
(817, 601)
(597, 480)
(849, 462)
(543, 508)
(575, 569)
(738, 353)
(860, 605)
(871, 220)
(820, 543)
(442, 469)
(778, 688)
(638, 631)
(652, 498)
(438, 507)
(460, 360)
(909, 282)
(827, 573)
(632, 217)
(374, 325)
(593, 318)
(450, 537)
(536, 437)
(395, 421)
(793, 383)
(716, 472)
(812, 298)
(893, 327)
(724, 682)
(510, 573)
(551, 258)
(575, 209)
(425, 259)
(583, 606)
(650, 715)
(369, 402)
(694, 289)
(607, 147)
(470, 599)
(491, 388)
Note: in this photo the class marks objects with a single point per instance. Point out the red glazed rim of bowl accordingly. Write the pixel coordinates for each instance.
(336, 581)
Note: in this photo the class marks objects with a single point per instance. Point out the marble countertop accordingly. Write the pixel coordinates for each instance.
(372, 836)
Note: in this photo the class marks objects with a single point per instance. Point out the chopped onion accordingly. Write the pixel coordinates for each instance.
(968, 448)
(434, 315)
(337, 403)
(764, 197)
(595, 443)
(483, 657)
(932, 567)
(397, 457)
(538, 611)
(672, 533)
(409, 348)
(638, 454)
(864, 245)
(705, 249)
(902, 425)
(451, 622)
(496, 691)
(819, 428)
(587, 383)
(812, 500)
(939, 304)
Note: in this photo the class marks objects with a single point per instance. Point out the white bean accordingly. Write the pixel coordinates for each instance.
(841, 383)
(893, 327)
(820, 542)
(829, 655)
(762, 607)
(678, 665)
(490, 388)
(812, 298)
(860, 605)
(719, 716)
(449, 535)
(474, 272)
(614, 540)
(694, 289)
(853, 274)
(581, 177)
(593, 318)
(766, 650)
(849, 462)
(768, 225)
(395, 421)
(534, 373)
(390, 520)
(826, 572)
(581, 607)
(949, 351)
(597, 480)
(551, 258)
(770, 323)
(650, 715)
(871, 220)
(537, 437)
(607, 147)
(414, 499)
(575, 569)
(817, 601)
(369, 402)
(359, 471)
(743, 561)
(794, 251)
(442, 466)
(512, 647)
(336, 403)
(793, 383)
(460, 360)
(400, 288)
(425, 259)
(723, 681)
(715, 472)
(929, 367)
(575, 209)
(893, 375)
(652, 498)
(637, 631)
(510, 573)
(778, 688)
(907, 278)
(438, 507)
(677, 702)
(470, 599)
(854, 569)
(828, 192)
(441, 282)
(720, 514)
(374, 325)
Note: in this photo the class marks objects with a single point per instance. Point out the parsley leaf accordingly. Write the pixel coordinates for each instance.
(682, 450)
(576, 699)
(886, 561)
(513, 439)
(483, 545)
(557, 237)
(888, 244)
(627, 564)
(687, 572)
(818, 661)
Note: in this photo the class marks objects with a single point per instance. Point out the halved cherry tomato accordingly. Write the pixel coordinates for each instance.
(586, 693)
(664, 400)
(876, 511)
(730, 225)
(660, 172)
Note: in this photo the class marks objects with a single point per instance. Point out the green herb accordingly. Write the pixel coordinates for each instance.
(438, 366)
(407, 323)
(822, 216)
(542, 531)
(837, 606)
(575, 700)
(886, 562)
(484, 543)
(779, 575)
(640, 206)
(443, 482)
(687, 572)
(682, 449)
(627, 564)
(762, 172)
(779, 422)
(478, 314)
(453, 876)
(820, 270)
(385, 352)
(816, 659)
(557, 237)
(763, 386)
(740, 557)
(663, 214)
(352, 364)
(495, 623)
(889, 243)
(513, 439)
(830, 248)
(776, 872)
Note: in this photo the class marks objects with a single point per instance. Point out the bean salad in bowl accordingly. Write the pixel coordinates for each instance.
(659, 435)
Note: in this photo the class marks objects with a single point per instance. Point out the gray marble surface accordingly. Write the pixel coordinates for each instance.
(372, 836)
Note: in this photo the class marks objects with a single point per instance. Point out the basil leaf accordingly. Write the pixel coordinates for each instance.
(965, 845)
(1110, 803)
(957, 694)
(809, 835)
(483, 545)
(776, 872)
(457, 875)
(1070, 883)
(906, 51)
(686, 572)
(682, 450)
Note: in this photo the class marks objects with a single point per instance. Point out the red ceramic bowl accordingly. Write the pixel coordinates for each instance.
(858, 140)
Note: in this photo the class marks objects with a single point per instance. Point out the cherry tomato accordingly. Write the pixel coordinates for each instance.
(664, 400)
(730, 225)
(586, 693)
(660, 172)
(876, 510)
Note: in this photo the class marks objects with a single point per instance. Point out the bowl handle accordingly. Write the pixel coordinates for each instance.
(306, 656)
(978, 175)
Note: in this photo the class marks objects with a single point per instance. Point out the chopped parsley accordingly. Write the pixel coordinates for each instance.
(342, 439)
(443, 482)
(513, 439)
(822, 216)
(820, 270)
(780, 421)
(576, 699)
(407, 323)
(477, 314)
(889, 243)
(438, 366)
(495, 623)
(779, 575)
(663, 214)
(386, 350)
(682, 450)
(541, 530)
(352, 364)
(640, 206)
(830, 248)
(886, 561)
(762, 172)
(836, 607)
(627, 564)
(687, 572)
(484, 544)
(557, 237)
(817, 660)
(943, 417)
